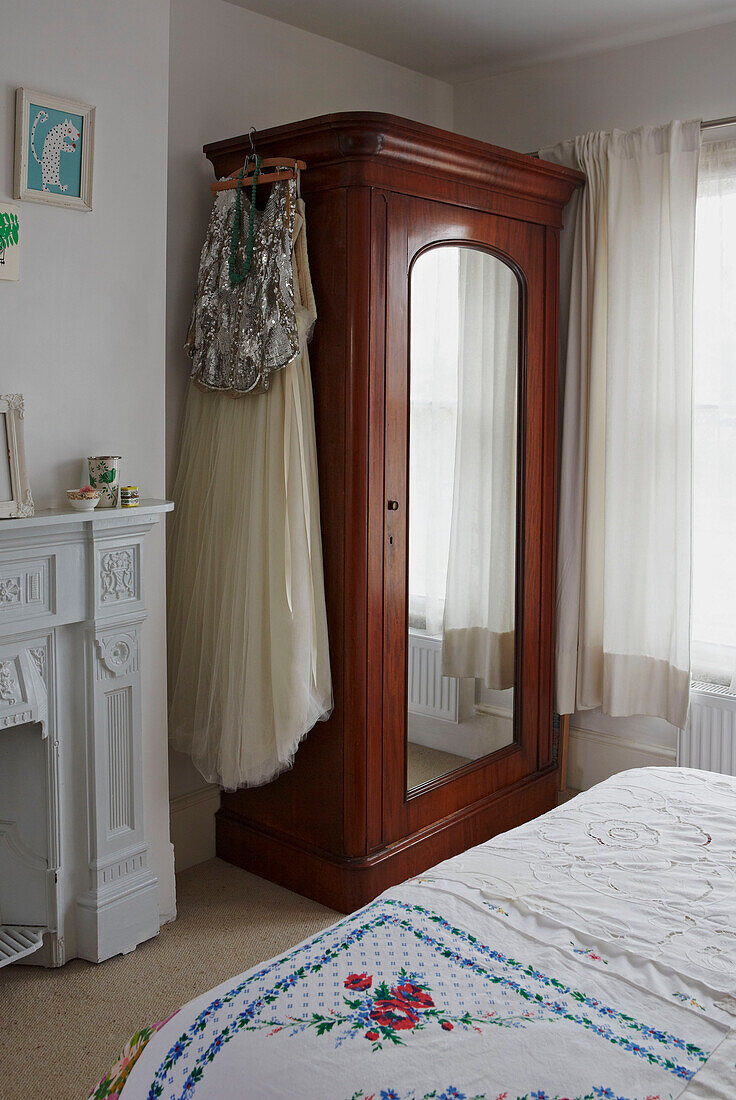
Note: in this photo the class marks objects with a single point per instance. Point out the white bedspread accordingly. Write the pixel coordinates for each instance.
(556, 962)
(644, 863)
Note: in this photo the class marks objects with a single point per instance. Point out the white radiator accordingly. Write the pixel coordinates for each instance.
(709, 741)
(429, 691)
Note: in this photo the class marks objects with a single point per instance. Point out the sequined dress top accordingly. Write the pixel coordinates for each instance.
(240, 334)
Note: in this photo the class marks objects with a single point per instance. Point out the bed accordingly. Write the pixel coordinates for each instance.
(588, 955)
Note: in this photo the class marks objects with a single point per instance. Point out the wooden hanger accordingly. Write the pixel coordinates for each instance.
(288, 164)
(289, 168)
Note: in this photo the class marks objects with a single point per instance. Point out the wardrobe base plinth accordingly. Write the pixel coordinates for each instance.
(345, 884)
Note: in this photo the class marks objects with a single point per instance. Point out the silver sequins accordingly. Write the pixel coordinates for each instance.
(239, 335)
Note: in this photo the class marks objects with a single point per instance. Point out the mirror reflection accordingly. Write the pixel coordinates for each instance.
(463, 353)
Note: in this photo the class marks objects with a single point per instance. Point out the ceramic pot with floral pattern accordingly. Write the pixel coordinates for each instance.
(104, 475)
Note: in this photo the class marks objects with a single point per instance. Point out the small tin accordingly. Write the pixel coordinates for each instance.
(129, 496)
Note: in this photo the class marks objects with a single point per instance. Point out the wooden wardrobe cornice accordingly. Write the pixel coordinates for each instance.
(379, 148)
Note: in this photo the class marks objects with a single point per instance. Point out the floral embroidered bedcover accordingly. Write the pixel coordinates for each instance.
(432, 991)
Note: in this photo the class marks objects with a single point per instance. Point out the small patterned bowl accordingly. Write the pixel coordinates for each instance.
(83, 501)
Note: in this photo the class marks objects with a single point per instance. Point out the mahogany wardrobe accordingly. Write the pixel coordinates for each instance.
(420, 243)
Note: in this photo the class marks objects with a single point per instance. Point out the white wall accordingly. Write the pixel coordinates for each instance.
(231, 69)
(83, 330)
(688, 76)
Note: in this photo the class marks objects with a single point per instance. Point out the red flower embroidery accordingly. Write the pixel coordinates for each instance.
(408, 991)
(395, 1013)
(359, 982)
(447, 1025)
(372, 1035)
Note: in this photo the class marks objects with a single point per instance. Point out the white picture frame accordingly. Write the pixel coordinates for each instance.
(16, 501)
(43, 174)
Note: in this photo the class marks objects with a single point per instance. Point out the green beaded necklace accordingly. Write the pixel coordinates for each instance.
(235, 275)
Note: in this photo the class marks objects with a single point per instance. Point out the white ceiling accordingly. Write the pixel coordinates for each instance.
(464, 39)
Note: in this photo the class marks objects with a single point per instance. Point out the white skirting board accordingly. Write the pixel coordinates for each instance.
(595, 755)
(193, 826)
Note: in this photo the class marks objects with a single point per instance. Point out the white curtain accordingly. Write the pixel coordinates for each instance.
(714, 436)
(433, 368)
(478, 637)
(624, 545)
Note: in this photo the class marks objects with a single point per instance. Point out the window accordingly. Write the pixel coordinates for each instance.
(714, 420)
(435, 319)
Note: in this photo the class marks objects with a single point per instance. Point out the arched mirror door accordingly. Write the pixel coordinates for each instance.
(468, 565)
(464, 336)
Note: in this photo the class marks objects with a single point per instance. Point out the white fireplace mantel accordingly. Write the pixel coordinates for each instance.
(74, 874)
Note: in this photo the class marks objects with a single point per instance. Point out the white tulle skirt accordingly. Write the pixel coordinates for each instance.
(249, 668)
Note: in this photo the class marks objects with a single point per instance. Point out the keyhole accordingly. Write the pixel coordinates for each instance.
(390, 540)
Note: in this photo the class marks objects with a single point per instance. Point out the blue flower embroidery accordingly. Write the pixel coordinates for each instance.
(405, 1008)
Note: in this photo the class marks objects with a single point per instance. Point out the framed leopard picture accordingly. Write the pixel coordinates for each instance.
(54, 147)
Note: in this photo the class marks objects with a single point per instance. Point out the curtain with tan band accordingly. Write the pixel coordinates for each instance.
(625, 520)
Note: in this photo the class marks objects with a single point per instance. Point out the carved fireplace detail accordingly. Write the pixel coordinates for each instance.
(74, 874)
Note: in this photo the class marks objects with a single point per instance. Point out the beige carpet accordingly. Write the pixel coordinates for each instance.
(425, 764)
(61, 1030)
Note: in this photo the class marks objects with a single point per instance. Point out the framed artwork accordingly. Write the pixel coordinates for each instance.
(54, 147)
(16, 501)
(9, 241)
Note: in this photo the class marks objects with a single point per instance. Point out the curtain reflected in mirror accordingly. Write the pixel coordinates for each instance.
(464, 343)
